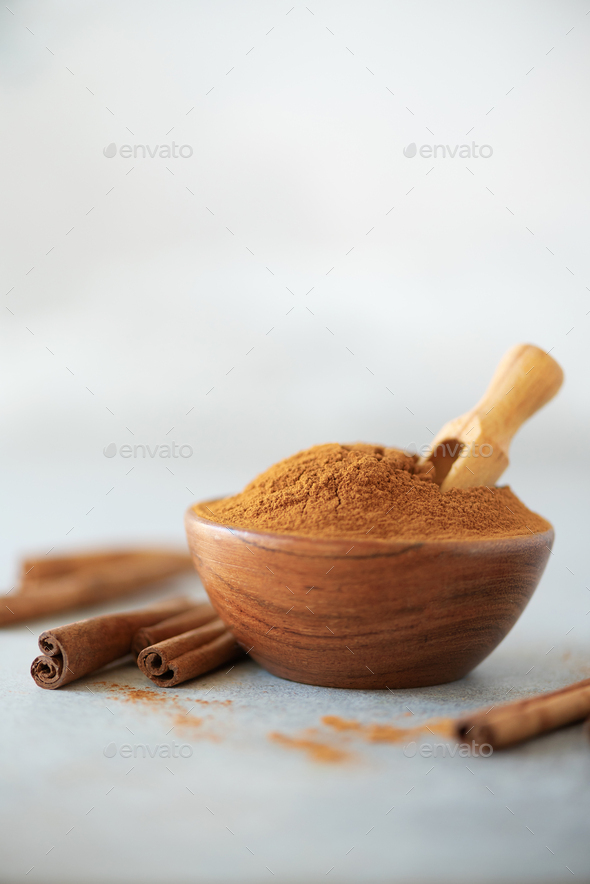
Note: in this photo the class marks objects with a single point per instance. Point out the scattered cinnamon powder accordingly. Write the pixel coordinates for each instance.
(129, 694)
(138, 695)
(187, 721)
(208, 702)
(387, 733)
(363, 490)
(341, 724)
(315, 749)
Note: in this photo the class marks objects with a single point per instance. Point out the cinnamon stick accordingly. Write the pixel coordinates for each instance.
(35, 568)
(185, 656)
(99, 580)
(194, 617)
(72, 651)
(513, 723)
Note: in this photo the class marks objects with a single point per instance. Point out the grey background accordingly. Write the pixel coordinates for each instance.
(260, 297)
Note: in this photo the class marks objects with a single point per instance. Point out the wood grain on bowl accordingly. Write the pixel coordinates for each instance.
(370, 613)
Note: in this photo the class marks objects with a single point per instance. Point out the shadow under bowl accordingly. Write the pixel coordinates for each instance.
(365, 613)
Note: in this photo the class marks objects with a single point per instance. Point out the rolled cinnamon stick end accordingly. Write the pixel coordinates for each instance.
(72, 651)
(513, 723)
(178, 659)
(156, 659)
(103, 579)
(196, 616)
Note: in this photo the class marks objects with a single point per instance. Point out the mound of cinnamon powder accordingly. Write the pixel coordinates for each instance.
(360, 490)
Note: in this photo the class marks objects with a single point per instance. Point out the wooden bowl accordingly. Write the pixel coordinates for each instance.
(365, 613)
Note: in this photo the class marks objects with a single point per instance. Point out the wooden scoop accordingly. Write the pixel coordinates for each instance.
(473, 449)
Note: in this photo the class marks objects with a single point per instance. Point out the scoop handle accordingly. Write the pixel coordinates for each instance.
(525, 380)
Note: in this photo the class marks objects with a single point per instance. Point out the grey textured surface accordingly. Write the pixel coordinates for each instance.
(236, 805)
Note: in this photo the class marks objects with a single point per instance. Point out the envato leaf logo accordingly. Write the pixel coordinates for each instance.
(110, 150)
(110, 450)
(410, 151)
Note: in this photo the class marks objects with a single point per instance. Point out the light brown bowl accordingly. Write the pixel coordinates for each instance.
(365, 613)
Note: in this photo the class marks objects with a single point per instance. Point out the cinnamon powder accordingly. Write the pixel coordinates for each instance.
(318, 747)
(314, 749)
(361, 490)
(388, 733)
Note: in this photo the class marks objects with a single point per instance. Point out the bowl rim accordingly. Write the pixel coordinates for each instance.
(330, 546)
